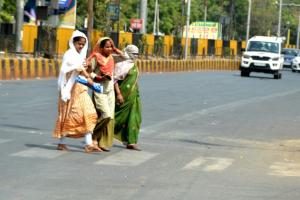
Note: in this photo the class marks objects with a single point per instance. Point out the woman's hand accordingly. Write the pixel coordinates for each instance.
(112, 45)
(85, 65)
(116, 50)
(90, 81)
(120, 99)
(80, 68)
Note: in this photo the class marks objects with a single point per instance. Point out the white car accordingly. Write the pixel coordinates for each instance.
(263, 54)
(296, 64)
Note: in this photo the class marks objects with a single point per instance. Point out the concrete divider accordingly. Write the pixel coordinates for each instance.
(30, 68)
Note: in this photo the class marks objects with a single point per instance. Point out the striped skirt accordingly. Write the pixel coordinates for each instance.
(77, 116)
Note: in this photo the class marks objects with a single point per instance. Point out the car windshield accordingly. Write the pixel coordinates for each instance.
(290, 52)
(263, 46)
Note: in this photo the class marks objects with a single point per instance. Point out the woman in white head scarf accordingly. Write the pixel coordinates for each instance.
(77, 116)
(128, 116)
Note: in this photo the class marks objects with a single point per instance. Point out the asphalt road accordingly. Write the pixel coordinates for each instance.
(205, 135)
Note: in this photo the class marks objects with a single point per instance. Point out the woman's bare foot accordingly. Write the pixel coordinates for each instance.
(62, 147)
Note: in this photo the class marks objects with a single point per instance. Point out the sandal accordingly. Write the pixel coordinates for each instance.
(62, 147)
(133, 147)
(104, 149)
(91, 148)
(95, 143)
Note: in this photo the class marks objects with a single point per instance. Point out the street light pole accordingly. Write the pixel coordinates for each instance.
(54, 18)
(205, 17)
(19, 25)
(155, 18)
(279, 21)
(248, 20)
(144, 16)
(297, 44)
(279, 18)
(90, 23)
(187, 28)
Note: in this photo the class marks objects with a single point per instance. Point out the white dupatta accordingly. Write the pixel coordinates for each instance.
(122, 68)
(72, 60)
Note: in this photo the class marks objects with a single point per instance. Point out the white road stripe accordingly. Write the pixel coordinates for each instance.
(285, 169)
(127, 158)
(37, 152)
(209, 164)
(4, 140)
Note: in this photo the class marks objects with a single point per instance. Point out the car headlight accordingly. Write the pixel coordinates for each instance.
(246, 56)
(275, 59)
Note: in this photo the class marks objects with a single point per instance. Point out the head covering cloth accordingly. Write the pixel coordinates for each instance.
(106, 63)
(72, 60)
(122, 68)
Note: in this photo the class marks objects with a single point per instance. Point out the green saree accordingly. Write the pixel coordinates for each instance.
(128, 115)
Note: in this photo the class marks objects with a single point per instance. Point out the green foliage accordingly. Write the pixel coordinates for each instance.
(7, 11)
(101, 21)
(129, 9)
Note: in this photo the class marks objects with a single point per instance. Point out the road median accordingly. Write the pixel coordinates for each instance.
(32, 68)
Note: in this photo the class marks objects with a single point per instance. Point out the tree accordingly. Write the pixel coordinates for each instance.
(8, 9)
(100, 18)
(264, 18)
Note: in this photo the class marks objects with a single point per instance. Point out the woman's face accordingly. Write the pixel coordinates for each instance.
(79, 44)
(107, 49)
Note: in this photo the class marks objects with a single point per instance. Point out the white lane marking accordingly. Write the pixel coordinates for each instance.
(290, 145)
(194, 115)
(39, 152)
(209, 164)
(127, 158)
(21, 130)
(4, 140)
(285, 169)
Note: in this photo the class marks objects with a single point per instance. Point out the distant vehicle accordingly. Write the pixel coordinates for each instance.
(289, 55)
(296, 63)
(263, 54)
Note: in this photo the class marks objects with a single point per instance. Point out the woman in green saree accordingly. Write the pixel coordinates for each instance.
(128, 104)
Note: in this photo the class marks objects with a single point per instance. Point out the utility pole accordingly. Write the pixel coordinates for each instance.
(19, 25)
(54, 18)
(298, 30)
(279, 19)
(143, 15)
(90, 23)
(182, 17)
(187, 28)
(248, 20)
(297, 45)
(230, 30)
(205, 17)
(155, 18)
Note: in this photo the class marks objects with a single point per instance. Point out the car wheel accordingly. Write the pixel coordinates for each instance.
(277, 75)
(245, 73)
